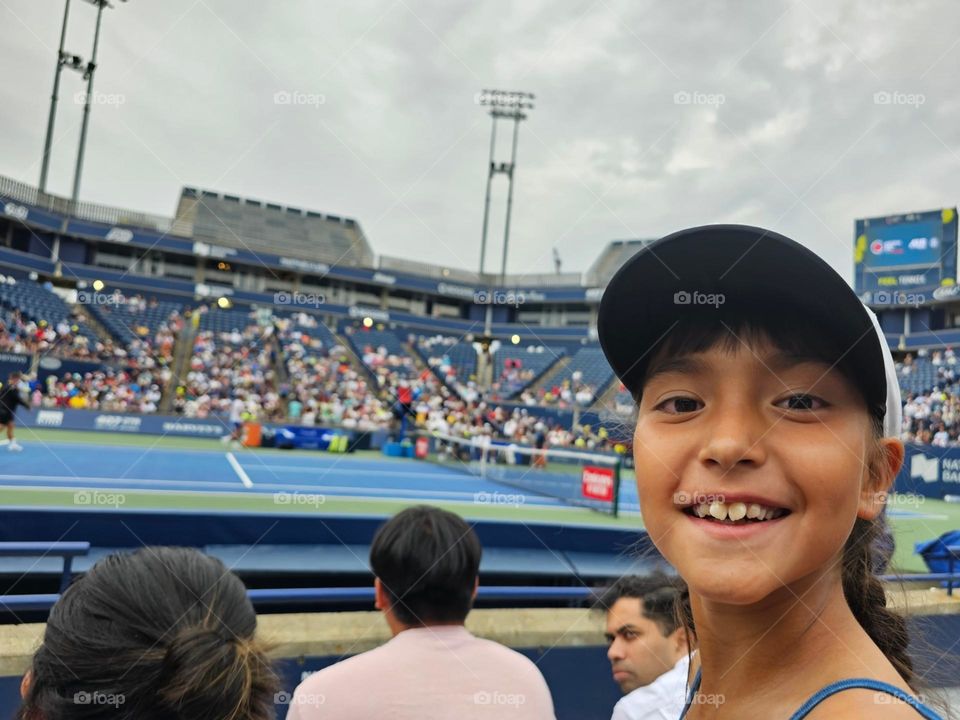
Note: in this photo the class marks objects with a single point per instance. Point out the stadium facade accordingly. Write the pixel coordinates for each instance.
(253, 252)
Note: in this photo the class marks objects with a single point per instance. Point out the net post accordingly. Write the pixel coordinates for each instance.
(616, 486)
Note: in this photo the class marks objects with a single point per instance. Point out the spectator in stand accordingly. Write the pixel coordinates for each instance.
(157, 634)
(426, 562)
(647, 646)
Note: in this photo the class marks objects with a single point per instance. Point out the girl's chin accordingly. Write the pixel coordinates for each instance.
(738, 588)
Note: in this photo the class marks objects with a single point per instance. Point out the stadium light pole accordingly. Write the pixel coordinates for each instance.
(88, 76)
(504, 105)
(62, 60)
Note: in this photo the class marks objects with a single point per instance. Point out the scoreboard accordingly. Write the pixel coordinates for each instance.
(906, 252)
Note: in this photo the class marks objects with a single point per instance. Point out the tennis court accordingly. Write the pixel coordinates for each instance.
(125, 472)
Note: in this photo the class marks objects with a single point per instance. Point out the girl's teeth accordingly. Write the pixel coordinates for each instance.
(718, 510)
(737, 511)
(734, 512)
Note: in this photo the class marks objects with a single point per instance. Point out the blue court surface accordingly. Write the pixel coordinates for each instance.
(189, 473)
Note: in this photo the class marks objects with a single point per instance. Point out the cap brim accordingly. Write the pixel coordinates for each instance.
(717, 271)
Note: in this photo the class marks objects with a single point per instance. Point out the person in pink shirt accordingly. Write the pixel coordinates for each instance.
(426, 562)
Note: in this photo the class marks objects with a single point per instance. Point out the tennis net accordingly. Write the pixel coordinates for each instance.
(584, 479)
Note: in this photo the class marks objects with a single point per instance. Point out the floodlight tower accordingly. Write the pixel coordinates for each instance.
(73, 62)
(504, 105)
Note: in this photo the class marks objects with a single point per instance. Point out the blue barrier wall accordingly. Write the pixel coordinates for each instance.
(579, 677)
(67, 419)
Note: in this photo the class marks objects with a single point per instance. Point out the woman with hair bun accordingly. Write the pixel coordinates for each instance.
(163, 633)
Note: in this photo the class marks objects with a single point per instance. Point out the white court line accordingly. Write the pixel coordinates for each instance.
(241, 473)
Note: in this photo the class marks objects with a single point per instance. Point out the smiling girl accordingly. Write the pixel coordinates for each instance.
(768, 418)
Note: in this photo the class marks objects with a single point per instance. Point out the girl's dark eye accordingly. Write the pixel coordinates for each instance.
(802, 401)
(678, 405)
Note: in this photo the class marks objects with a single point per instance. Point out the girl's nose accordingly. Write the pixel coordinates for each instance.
(735, 439)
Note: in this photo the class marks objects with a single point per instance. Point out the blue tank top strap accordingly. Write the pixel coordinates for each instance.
(693, 691)
(866, 684)
(832, 689)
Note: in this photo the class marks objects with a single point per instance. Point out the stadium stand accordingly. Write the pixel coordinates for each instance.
(40, 305)
(381, 351)
(452, 359)
(134, 317)
(583, 379)
(515, 368)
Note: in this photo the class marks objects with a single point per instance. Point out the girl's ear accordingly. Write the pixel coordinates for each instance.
(883, 472)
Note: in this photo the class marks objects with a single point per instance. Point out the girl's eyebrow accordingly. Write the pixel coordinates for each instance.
(776, 361)
(683, 365)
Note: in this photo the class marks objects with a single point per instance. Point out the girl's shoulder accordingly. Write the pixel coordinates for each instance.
(856, 703)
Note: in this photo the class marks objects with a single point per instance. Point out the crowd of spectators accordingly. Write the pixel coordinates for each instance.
(931, 415)
(229, 366)
(323, 384)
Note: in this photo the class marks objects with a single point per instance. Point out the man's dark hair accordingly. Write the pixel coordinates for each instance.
(663, 599)
(428, 560)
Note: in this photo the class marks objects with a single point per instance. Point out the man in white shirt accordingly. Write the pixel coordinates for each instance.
(647, 648)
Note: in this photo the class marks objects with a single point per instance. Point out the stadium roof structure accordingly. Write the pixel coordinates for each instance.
(219, 221)
(231, 221)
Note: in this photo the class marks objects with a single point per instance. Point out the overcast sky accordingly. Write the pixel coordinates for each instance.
(650, 116)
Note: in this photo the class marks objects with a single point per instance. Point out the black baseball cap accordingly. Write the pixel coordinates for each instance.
(720, 271)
